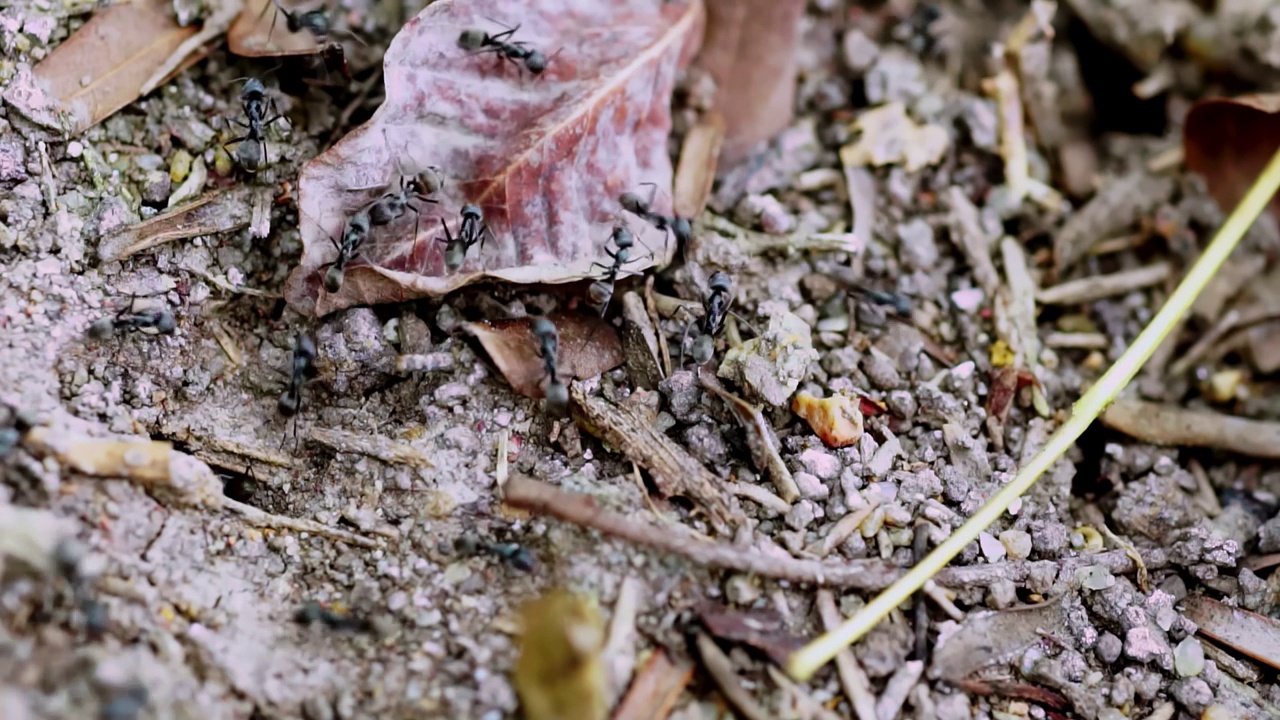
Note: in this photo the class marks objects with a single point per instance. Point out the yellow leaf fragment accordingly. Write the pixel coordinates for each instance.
(889, 137)
(837, 419)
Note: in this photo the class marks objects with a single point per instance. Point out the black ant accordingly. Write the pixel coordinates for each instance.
(315, 21)
(715, 308)
(251, 153)
(901, 305)
(124, 703)
(392, 205)
(313, 612)
(471, 231)
(16, 424)
(353, 236)
(601, 291)
(555, 391)
(633, 203)
(304, 356)
(514, 554)
(514, 52)
(159, 320)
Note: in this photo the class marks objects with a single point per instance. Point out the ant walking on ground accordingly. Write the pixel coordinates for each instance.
(353, 237)
(290, 401)
(555, 391)
(158, 320)
(715, 309)
(315, 21)
(601, 291)
(251, 153)
(642, 207)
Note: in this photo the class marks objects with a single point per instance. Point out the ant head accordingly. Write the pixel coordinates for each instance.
(427, 182)
(472, 211)
(253, 89)
(633, 203)
(472, 39)
(333, 279)
(720, 282)
(682, 229)
(536, 62)
(165, 323)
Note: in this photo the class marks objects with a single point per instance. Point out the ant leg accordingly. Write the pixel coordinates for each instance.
(271, 103)
(448, 236)
(233, 141)
(653, 193)
(684, 340)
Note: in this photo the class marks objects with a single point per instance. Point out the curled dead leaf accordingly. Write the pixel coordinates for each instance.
(837, 420)
(588, 347)
(764, 629)
(219, 211)
(1229, 140)
(545, 157)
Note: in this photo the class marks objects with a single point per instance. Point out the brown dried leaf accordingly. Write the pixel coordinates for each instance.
(696, 173)
(750, 50)
(544, 156)
(764, 630)
(103, 66)
(989, 638)
(220, 211)
(1229, 140)
(588, 347)
(248, 36)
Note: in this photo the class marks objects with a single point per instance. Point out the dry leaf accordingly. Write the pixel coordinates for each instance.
(560, 673)
(750, 50)
(699, 157)
(102, 67)
(890, 137)
(763, 629)
(1249, 633)
(248, 37)
(656, 688)
(545, 156)
(588, 347)
(1229, 140)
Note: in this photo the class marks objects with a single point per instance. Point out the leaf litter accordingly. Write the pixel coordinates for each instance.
(545, 157)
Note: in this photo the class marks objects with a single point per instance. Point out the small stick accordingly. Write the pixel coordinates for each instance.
(895, 691)
(1174, 425)
(721, 671)
(760, 496)
(536, 496)
(852, 677)
(1103, 286)
(392, 452)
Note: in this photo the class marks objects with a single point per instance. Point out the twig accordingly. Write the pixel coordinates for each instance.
(753, 242)
(1013, 142)
(656, 688)
(1101, 286)
(943, 601)
(760, 438)
(1077, 341)
(854, 681)
(807, 661)
(721, 671)
(1162, 424)
(1211, 342)
(619, 654)
(760, 496)
(674, 471)
(387, 450)
(896, 690)
(222, 284)
(539, 497)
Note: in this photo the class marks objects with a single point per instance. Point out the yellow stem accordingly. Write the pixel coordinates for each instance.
(805, 662)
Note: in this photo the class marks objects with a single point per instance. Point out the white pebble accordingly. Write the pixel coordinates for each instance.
(968, 300)
(992, 548)
(75, 149)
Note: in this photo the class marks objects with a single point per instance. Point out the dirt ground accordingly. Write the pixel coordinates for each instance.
(178, 603)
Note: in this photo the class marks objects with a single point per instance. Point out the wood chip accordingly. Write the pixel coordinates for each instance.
(761, 439)
(673, 469)
(387, 450)
(656, 688)
(220, 211)
(967, 233)
(1103, 286)
(1173, 425)
(720, 668)
(1249, 633)
(696, 173)
(853, 679)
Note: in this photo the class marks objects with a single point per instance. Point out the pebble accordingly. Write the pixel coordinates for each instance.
(156, 186)
(803, 513)
(1144, 645)
(1108, 648)
(683, 396)
(823, 464)
(992, 548)
(881, 370)
(895, 76)
(916, 244)
(451, 394)
(968, 300)
(810, 486)
(766, 212)
(1193, 694)
(13, 160)
(742, 590)
(882, 461)
(859, 50)
(1095, 577)
(1188, 658)
(180, 165)
(1017, 544)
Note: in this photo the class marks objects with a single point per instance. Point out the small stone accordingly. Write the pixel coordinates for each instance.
(450, 394)
(882, 460)
(155, 187)
(1193, 694)
(823, 464)
(916, 244)
(968, 300)
(1095, 577)
(742, 590)
(180, 165)
(1143, 644)
(992, 548)
(810, 486)
(683, 396)
(1108, 648)
(1269, 535)
(770, 367)
(1002, 594)
(803, 513)
(766, 212)
(859, 50)
(13, 159)
(881, 370)
(837, 419)
(1017, 543)
(1188, 658)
